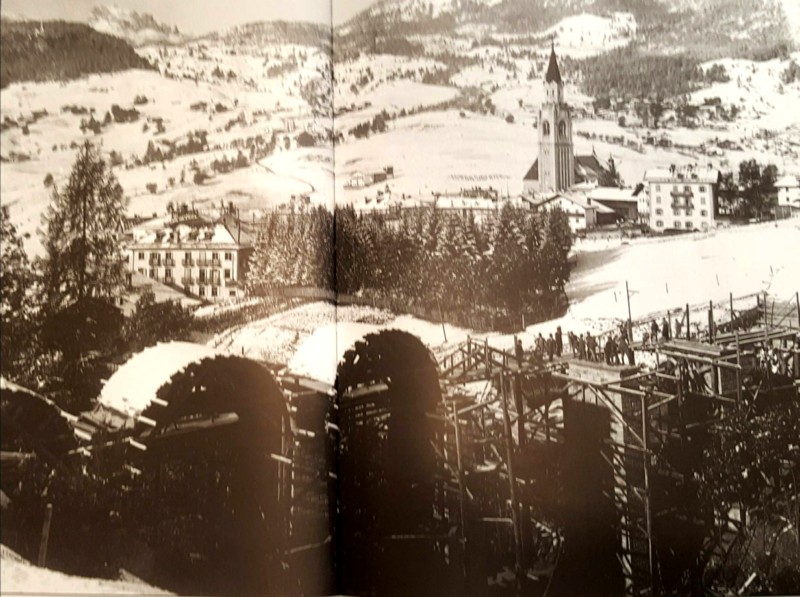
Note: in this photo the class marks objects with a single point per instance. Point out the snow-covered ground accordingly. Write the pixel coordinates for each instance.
(22, 577)
(444, 152)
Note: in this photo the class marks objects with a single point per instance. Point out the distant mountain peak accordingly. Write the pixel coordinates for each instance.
(138, 28)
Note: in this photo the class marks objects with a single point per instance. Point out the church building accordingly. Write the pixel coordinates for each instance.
(557, 167)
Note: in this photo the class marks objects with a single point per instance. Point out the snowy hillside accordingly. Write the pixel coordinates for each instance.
(137, 28)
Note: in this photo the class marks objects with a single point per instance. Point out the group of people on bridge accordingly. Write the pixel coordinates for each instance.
(615, 351)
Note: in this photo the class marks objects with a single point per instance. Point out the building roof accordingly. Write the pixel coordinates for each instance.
(578, 199)
(788, 182)
(186, 234)
(553, 74)
(612, 194)
(683, 175)
(587, 167)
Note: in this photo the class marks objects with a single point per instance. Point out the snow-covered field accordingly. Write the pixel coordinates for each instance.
(234, 107)
(443, 152)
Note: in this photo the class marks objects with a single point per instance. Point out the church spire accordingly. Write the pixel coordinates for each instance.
(553, 74)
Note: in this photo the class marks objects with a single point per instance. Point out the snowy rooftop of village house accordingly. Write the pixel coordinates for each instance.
(580, 199)
(166, 234)
(788, 182)
(683, 174)
(133, 386)
(612, 194)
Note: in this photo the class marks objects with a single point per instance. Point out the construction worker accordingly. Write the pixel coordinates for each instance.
(581, 347)
(591, 347)
(551, 347)
(610, 351)
(665, 330)
(654, 331)
(559, 341)
(623, 348)
(518, 351)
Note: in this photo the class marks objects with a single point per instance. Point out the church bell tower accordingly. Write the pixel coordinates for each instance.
(556, 157)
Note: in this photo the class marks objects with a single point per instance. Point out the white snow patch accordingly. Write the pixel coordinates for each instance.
(133, 386)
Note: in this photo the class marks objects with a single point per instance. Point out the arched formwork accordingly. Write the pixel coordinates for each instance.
(31, 424)
(219, 440)
(392, 524)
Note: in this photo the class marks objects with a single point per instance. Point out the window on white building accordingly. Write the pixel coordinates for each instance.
(141, 255)
(659, 212)
(677, 224)
(201, 291)
(229, 255)
(703, 213)
(227, 274)
(702, 200)
(213, 291)
(702, 189)
(659, 224)
(658, 187)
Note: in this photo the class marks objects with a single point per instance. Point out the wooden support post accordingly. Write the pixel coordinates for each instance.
(630, 320)
(687, 321)
(711, 331)
(648, 513)
(512, 482)
(738, 371)
(461, 485)
(797, 302)
(48, 518)
(519, 405)
(441, 318)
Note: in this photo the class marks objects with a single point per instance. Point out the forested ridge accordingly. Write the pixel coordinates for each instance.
(58, 51)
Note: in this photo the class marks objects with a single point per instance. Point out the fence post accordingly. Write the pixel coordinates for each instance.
(48, 517)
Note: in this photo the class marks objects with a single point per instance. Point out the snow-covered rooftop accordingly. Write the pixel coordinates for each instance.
(788, 182)
(683, 175)
(612, 194)
(184, 234)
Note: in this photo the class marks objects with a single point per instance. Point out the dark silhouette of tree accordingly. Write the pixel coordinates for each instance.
(16, 302)
(153, 322)
(82, 272)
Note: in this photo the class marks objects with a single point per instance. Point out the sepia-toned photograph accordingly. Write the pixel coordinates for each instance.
(400, 298)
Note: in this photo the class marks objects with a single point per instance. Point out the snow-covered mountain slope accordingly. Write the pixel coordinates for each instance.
(140, 29)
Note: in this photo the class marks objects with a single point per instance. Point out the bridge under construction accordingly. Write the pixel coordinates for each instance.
(478, 472)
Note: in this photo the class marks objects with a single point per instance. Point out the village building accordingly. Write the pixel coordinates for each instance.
(683, 198)
(582, 212)
(788, 197)
(203, 258)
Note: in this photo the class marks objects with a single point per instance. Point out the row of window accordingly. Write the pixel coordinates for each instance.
(187, 256)
(660, 212)
(687, 188)
(202, 276)
(677, 224)
(702, 199)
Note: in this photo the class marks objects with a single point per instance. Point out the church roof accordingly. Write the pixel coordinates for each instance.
(553, 74)
(587, 167)
(533, 171)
